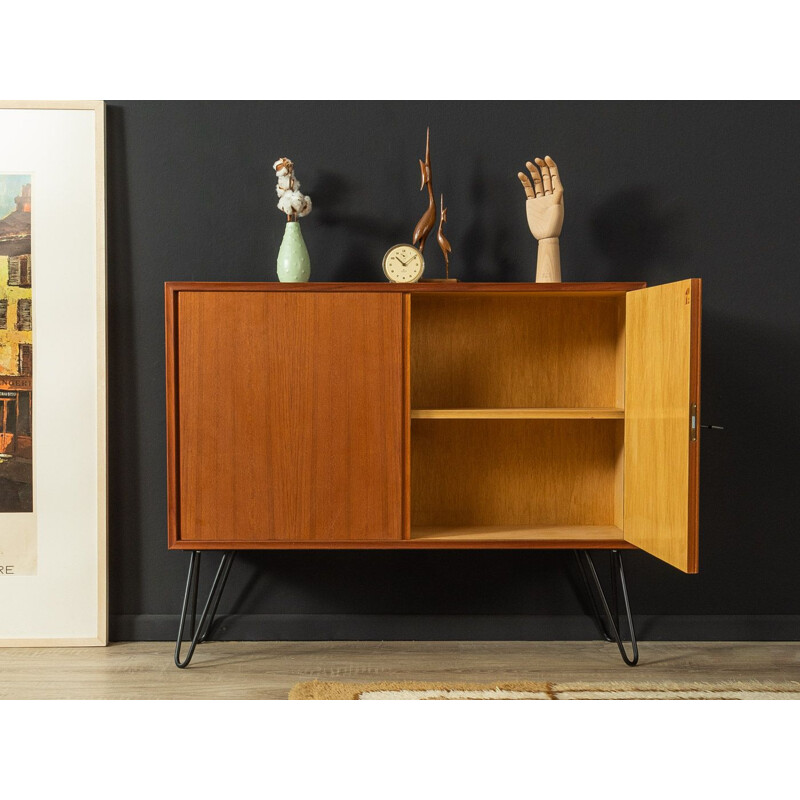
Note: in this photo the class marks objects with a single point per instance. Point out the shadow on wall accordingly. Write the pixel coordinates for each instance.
(637, 234)
(392, 582)
(365, 234)
(486, 247)
(125, 520)
(335, 191)
(747, 379)
(744, 367)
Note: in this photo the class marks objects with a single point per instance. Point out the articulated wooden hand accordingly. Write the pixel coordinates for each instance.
(545, 209)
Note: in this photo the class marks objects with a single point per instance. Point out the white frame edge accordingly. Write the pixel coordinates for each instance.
(99, 109)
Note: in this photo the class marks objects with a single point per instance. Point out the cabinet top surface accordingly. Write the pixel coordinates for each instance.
(432, 286)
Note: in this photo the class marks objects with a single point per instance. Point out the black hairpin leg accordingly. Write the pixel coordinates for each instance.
(200, 631)
(610, 627)
(598, 616)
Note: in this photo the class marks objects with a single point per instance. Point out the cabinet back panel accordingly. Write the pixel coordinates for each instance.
(289, 423)
(514, 472)
(517, 351)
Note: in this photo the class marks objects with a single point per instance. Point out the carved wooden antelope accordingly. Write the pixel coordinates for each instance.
(443, 243)
(428, 220)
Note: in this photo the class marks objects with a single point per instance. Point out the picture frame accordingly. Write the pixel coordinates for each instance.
(53, 406)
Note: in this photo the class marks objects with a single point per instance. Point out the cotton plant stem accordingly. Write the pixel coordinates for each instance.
(548, 261)
(291, 217)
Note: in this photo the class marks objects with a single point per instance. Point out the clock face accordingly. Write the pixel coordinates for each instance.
(403, 263)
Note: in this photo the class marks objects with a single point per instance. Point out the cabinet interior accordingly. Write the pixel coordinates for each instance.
(517, 416)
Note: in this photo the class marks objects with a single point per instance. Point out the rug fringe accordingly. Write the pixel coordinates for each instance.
(337, 690)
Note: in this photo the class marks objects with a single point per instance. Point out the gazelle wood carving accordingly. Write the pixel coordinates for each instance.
(443, 243)
(428, 220)
(545, 209)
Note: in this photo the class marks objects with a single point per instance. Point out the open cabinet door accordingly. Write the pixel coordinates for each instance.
(662, 430)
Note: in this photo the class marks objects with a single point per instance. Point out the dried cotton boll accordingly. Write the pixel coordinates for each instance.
(285, 204)
(305, 210)
(290, 199)
(283, 166)
(297, 200)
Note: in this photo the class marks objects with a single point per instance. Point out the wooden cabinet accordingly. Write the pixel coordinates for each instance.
(434, 415)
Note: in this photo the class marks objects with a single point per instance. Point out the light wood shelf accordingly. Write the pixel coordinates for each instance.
(517, 413)
(487, 533)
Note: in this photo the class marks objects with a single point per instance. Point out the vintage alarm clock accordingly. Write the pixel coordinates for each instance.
(403, 263)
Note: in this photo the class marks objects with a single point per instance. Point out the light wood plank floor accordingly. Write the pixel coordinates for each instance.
(267, 670)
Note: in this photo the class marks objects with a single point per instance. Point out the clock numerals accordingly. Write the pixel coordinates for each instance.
(403, 264)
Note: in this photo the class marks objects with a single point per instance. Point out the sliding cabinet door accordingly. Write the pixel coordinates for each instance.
(288, 414)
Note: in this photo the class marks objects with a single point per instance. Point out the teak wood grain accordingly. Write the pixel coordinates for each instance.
(288, 417)
(459, 416)
(662, 380)
(581, 538)
(406, 412)
(579, 289)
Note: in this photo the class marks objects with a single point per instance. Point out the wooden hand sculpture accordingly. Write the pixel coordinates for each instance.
(545, 209)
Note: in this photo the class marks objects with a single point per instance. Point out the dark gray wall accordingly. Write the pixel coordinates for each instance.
(654, 191)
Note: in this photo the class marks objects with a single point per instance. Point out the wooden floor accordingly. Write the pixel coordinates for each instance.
(267, 670)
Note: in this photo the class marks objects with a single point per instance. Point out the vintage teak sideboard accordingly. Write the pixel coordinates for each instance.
(433, 415)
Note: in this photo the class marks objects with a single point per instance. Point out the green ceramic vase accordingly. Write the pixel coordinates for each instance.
(294, 265)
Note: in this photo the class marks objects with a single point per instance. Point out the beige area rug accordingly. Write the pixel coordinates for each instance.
(529, 690)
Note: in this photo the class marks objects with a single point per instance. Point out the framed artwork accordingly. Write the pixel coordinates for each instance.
(53, 529)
